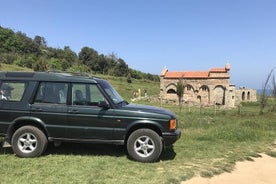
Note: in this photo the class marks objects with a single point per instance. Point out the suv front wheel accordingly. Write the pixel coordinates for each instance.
(144, 145)
(29, 141)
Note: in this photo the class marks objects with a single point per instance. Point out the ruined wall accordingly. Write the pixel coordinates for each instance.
(213, 89)
(201, 91)
(244, 94)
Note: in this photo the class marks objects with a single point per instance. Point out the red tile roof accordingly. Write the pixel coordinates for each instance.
(217, 70)
(194, 74)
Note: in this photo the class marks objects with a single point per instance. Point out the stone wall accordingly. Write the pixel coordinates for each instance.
(210, 90)
(244, 94)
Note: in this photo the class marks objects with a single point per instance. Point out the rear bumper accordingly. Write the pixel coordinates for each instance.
(169, 138)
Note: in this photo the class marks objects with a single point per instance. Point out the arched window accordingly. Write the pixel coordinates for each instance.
(171, 88)
(219, 94)
(189, 87)
(243, 96)
(171, 85)
(205, 94)
(199, 98)
(171, 91)
(248, 95)
(204, 88)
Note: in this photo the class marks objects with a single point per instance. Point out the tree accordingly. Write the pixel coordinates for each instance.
(274, 93)
(69, 56)
(135, 74)
(40, 41)
(40, 64)
(9, 42)
(102, 64)
(129, 78)
(25, 61)
(263, 98)
(9, 57)
(55, 64)
(180, 92)
(28, 45)
(79, 68)
(111, 60)
(121, 68)
(88, 56)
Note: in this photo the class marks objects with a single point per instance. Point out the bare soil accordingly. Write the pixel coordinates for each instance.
(260, 171)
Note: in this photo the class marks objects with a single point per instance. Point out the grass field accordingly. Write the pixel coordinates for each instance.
(210, 144)
(6, 67)
(212, 141)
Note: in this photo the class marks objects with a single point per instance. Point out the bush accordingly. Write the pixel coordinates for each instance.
(129, 78)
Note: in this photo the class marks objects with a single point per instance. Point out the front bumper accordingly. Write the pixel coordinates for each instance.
(171, 137)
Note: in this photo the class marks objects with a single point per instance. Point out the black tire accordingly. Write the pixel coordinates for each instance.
(144, 145)
(29, 141)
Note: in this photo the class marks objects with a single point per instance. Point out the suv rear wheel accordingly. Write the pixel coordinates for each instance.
(144, 145)
(29, 141)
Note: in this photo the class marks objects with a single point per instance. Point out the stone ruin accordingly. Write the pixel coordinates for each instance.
(204, 88)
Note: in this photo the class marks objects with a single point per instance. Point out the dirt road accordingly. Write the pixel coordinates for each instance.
(260, 171)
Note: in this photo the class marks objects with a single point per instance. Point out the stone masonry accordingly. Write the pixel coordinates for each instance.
(205, 88)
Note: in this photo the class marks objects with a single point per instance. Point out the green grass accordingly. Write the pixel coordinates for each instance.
(7, 67)
(211, 143)
(126, 89)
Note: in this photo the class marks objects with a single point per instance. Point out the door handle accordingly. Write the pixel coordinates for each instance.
(37, 109)
(73, 111)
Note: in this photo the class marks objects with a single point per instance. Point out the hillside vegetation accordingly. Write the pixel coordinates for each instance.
(18, 49)
(124, 88)
(6, 67)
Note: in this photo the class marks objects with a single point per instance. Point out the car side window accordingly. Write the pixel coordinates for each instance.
(52, 92)
(86, 94)
(12, 91)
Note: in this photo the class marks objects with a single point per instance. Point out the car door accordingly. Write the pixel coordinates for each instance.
(50, 108)
(86, 119)
(12, 102)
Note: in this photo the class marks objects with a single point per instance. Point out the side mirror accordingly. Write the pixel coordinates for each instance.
(103, 104)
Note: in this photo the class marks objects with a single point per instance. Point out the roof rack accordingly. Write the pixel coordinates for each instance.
(72, 73)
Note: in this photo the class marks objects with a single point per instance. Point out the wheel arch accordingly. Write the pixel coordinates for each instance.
(143, 124)
(24, 121)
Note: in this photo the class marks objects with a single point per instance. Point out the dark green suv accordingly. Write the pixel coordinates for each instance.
(41, 107)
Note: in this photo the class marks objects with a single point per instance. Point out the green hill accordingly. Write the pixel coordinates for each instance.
(16, 48)
(6, 67)
(124, 88)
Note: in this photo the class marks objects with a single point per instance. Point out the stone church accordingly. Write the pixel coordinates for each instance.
(211, 87)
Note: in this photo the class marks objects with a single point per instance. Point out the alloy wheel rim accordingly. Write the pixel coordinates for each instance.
(27, 142)
(144, 146)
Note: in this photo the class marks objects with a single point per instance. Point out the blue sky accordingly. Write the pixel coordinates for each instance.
(183, 35)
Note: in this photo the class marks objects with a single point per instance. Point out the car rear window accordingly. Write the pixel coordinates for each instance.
(12, 91)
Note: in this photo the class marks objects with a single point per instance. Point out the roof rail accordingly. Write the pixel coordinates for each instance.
(72, 73)
(20, 74)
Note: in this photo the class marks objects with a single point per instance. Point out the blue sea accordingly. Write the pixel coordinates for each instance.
(268, 92)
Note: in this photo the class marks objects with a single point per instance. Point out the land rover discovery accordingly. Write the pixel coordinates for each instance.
(41, 107)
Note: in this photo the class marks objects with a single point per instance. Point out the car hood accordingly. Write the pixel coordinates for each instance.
(148, 109)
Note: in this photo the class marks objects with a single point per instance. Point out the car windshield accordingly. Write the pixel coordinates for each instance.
(112, 93)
